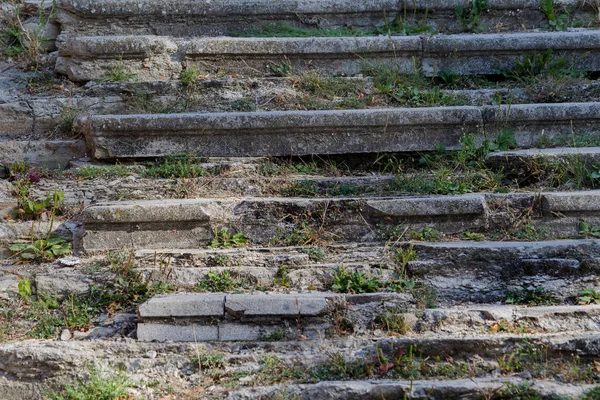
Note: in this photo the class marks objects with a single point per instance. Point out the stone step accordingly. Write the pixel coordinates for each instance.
(296, 133)
(192, 223)
(85, 58)
(508, 318)
(527, 163)
(147, 363)
(34, 117)
(465, 389)
(484, 271)
(192, 18)
(312, 315)
(220, 181)
(247, 317)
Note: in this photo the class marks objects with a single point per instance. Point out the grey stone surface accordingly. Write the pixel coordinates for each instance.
(50, 154)
(177, 333)
(89, 58)
(243, 332)
(183, 305)
(7, 200)
(430, 206)
(331, 56)
(284, 305)
(571, 202)
(149, 211)
(467, 54)
(199, 18)
(277, 133)
(15, 118)
(534, 122)
(63, 284)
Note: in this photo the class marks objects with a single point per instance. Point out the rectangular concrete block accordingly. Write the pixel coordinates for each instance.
(284, 305)
(183, 305)
(176, 333)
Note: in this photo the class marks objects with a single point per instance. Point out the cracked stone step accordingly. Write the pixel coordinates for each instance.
(189, 17)
(285, 133)
(484, 318)
(467, 389)
(85, 58)
(192, 223)
(483, 271)
(243, 317)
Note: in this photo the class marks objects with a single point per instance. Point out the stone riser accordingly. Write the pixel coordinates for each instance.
(157, 57)
(297, 133)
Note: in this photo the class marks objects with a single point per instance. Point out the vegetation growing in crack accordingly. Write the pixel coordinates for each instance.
(176, 166)
(534, 297)
(98, 385)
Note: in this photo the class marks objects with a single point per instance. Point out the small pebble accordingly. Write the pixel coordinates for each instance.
(65, 335)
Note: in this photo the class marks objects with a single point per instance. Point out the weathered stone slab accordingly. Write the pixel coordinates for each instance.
(532, 122)
(277, 133)
(183, 305)
(201, 18)
(52, 154)
(467, 54)
(572, 202)
(88, 58)
(430, 206)
(177, 333)
(148, 211)
(331, 56)
(282, 305)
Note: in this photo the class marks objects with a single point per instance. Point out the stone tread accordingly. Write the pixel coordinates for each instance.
(280, 133)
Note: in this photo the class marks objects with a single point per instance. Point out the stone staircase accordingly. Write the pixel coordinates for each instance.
(332, 243)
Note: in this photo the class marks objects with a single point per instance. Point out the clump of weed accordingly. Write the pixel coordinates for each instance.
(118, 73)
(188, 78)
(588, 230)
(315, 254)
(207, 360)
(469, 16)
(428, 234)
(282, 278)
(97, 386)
(223, 239)
(105, 172)
(176, 166)
(588, 296)
(394, 321)
(276, 335)
(353, 282)
(536, 297)
(220, 282)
